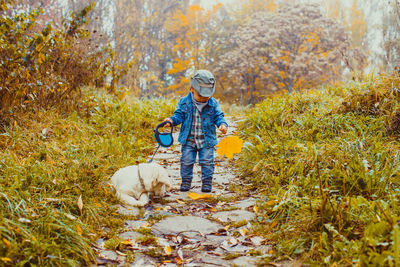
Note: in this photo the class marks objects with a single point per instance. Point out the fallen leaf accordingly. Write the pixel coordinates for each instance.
(179, 239)
(69, 216)
(5, 241)
(196, 196)
(120, 253)
(257, 240)
(243, 231)
(229, 145)
(5, 259)
(255, 208)
(80, 203)
(168, 250)
(79, 229)
(146, 225)
(270, 202)
(127, 242)
(233, 241)
(180, 201)
(180, 254)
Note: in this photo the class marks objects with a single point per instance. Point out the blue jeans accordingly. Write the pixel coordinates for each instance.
(206, 161)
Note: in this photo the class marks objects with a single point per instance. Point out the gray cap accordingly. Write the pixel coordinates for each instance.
(203, 82)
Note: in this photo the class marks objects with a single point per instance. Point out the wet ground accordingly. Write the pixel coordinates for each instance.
(180, 231)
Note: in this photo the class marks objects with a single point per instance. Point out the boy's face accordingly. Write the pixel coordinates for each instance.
(198, 97)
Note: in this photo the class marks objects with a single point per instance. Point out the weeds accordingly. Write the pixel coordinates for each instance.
(48, 160)
(327, 171)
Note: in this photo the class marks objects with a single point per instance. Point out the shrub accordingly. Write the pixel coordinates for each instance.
(45, 67)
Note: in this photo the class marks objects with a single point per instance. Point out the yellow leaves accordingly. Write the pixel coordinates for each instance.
(243, 231)
(79, 229)
(230, 145)
(6, 242)
(127, 242)
(196, 196)
(41, 58)
(5, 259)
(168, 250)
(180, 201)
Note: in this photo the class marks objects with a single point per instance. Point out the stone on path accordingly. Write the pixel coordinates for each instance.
(245, 261)
(244, 204)
(185, 224)
(234, 215)
(205, 259)
(130, 235)
(134, 224)
(128, 210)
(105, 256)
(142, 260)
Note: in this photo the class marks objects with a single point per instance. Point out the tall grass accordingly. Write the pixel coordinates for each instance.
(328, 172)
(48, 160)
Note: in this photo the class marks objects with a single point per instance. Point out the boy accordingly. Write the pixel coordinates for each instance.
(199, 113)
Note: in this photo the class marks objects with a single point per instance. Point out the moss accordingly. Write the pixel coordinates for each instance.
(147, 240)
(113, 243)
(232, 256)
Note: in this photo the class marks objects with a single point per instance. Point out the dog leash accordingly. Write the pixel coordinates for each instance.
(151, 160)
(163, 139)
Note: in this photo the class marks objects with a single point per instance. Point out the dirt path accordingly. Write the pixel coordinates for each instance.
(179, 231)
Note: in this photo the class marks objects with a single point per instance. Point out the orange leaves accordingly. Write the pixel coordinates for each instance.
(196, 196)
(230, 145)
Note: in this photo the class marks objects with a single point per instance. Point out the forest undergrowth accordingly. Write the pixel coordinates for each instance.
(328, 173)
(54, 169)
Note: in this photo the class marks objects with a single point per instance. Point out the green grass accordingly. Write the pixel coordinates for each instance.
(42, 175)
(328, 174)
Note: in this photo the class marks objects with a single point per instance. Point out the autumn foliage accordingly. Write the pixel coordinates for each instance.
(44, 66)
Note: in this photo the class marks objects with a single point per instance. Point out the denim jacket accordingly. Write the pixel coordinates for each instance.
(211, 116)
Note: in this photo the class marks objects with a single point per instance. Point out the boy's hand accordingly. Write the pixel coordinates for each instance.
(223, 128)
(168, 124)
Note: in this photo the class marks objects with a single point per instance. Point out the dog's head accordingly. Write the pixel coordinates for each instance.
(155, 178)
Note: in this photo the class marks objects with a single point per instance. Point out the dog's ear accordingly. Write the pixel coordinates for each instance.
(149, 174)
(153, 174)
(163, 177)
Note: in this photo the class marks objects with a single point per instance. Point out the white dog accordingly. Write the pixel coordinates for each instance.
(134, 183)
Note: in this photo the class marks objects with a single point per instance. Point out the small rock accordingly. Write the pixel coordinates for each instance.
(233, 216)
(185, 224)
(100, 243)
(244, 204)
(108, 255)
(264, 249)
(134, 224)
(128, 211)
(130, 235)
(205, 259)
(246, 261)
(215, 240)
(143, 261)
(257, 240)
